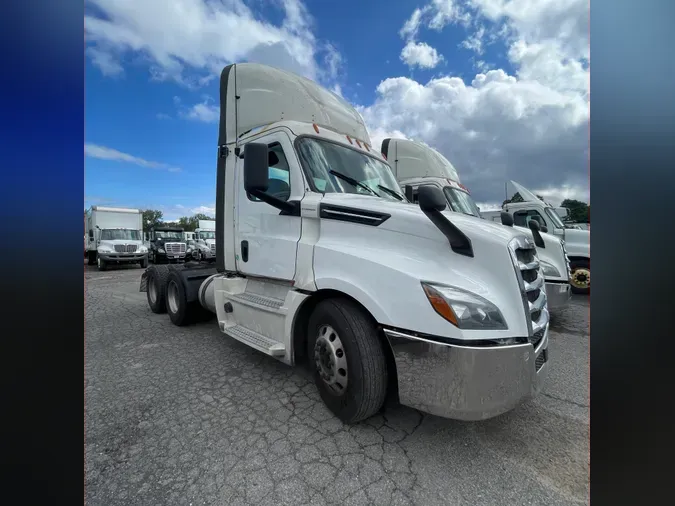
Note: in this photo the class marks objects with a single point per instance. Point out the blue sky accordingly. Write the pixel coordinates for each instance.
(151, 91)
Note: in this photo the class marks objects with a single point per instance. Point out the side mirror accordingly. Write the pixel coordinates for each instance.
(430, 198)
(507, 219)
(544, 229)
(538, 239)
(409, 192)
(256, 169)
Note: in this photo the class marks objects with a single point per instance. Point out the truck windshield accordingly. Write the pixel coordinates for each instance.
(321, 160)
(207, 235)
(461, 202)
(557, 222)
(111, 234)
(164, 234)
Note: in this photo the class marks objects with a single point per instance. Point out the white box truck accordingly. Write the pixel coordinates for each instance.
(416, 164)
(317, 264)
(205, 241)
(115, 236)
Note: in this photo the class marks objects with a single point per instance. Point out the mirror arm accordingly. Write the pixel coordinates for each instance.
(287, 208)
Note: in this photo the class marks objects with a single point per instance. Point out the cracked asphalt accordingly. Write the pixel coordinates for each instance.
(187, 416)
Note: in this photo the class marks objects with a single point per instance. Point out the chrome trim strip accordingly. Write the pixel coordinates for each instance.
(342, 213)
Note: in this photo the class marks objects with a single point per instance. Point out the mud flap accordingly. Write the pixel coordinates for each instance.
(144, 282)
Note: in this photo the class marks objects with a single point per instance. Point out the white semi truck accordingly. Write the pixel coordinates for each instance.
(205, 241)
(577, 241)
(415, 164)
(115, 236)
(320, 261)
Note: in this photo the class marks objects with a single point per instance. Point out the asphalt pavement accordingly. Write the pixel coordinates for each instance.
(188, 416)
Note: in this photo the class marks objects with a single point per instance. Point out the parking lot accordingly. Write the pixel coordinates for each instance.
(188, 416)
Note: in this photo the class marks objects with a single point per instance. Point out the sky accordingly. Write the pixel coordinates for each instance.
(500, 87)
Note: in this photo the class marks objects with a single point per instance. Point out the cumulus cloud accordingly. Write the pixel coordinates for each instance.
(105, 153)
(209, 210)
(189, 41)
(204, 112)
(420, 54)
(530, 125)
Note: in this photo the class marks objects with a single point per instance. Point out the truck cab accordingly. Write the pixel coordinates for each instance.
(167, 245)
(417, 165)
(320, 261)
(205, 241)
(524, 206)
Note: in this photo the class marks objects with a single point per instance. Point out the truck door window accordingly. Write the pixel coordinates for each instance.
(279, 173)
(522, 218)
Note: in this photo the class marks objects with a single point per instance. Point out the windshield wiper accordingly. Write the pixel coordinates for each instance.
(391, 192)
(353, 181)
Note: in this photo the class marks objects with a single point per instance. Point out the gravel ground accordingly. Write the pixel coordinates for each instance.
(187, 416)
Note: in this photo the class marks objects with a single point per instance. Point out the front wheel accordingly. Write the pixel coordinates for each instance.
(144, 263)
(347, 360)
(101, 264)
(580, 281)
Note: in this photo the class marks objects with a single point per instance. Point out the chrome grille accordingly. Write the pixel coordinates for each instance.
(531, 281)
(175, 247)
(125, 248)
(567, 259)
(213, 249)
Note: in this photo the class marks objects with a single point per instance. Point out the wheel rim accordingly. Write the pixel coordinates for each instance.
(330, 359)
(172, 296)
(98, 262)
(152, 290)
(581, 278)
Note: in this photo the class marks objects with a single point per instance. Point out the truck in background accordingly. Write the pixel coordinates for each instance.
(321, 261)
(205, 241)
(114, 236)
(577, 241)
(167, 245)
(416, 165)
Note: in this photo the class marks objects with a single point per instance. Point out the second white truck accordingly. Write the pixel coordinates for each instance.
(205, 241)
(115, 236)
(320, 261)
(417, 165)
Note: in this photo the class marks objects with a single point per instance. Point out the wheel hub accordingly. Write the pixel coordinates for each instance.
(152, 290)
(330, 359)
(172, 296)
(581, 278)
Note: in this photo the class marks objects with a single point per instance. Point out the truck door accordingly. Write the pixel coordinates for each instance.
(266, 241)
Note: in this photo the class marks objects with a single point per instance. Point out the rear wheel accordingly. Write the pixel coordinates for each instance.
(347, 360)
(580, 281)
(156, 289)
(181, 312)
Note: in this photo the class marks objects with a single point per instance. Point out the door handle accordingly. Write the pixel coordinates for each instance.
(244, 251)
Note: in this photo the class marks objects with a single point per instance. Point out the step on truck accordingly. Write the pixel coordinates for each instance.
(415, 165)
(525, 207)
(320, 261)
(114, 237)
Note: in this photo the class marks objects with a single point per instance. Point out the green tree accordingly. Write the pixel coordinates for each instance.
(152, 218)
(580, 212)
(190, 223)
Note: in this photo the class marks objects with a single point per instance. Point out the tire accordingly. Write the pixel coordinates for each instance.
(91, 258)
(156, 290)
(181, 312)
(144, 263)
(102, 266)
(580, 281)
(366, 373)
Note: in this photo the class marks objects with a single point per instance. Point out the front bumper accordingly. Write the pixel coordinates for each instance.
(557, 294)
(466, 382)
(123, 257)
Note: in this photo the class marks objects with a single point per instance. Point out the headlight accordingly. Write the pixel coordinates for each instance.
(161, 250)
(464, 309)
(104, 249)
(549, 269)
(142, 249)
